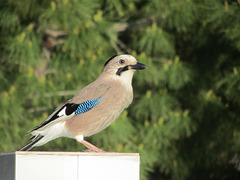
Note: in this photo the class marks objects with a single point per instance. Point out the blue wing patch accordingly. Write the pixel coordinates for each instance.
(87, 105)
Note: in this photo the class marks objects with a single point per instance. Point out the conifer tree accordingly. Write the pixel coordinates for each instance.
(184, 120)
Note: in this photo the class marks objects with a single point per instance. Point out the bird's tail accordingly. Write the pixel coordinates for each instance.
(34, 140)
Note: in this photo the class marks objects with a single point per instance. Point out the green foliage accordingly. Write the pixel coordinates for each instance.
(184, 120)
(156, 42)
(229, 85)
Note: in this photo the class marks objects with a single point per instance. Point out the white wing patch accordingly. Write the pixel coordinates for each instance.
(62, 112)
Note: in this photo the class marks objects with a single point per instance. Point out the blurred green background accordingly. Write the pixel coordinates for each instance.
(185, 117)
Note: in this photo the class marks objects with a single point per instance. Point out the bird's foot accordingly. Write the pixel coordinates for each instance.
(91, 147)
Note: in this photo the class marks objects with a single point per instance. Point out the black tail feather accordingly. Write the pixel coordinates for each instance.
(34, 139)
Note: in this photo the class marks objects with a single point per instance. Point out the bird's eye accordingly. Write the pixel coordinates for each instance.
(121, 61)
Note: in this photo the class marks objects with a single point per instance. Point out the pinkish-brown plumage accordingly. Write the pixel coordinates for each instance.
(113, 102)
(109, 94)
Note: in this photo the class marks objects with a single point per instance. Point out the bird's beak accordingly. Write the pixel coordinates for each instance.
(138, 66)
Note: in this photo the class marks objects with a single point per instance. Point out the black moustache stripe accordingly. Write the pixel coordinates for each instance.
(122, 69)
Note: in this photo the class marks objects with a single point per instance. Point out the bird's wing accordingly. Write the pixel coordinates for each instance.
(92, 91)
(84, 101)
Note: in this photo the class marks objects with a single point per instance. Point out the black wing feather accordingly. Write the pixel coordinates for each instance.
(29, 146)
(70, 108)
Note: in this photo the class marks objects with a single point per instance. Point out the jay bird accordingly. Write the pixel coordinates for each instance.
(92, 109)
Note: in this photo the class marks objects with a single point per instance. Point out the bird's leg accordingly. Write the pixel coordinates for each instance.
(91, 147)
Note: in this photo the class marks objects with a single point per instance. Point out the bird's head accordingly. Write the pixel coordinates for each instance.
(122, 66)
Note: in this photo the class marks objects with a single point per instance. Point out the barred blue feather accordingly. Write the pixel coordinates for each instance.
(87, 105)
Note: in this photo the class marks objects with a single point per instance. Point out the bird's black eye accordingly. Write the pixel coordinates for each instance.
(121, 61)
